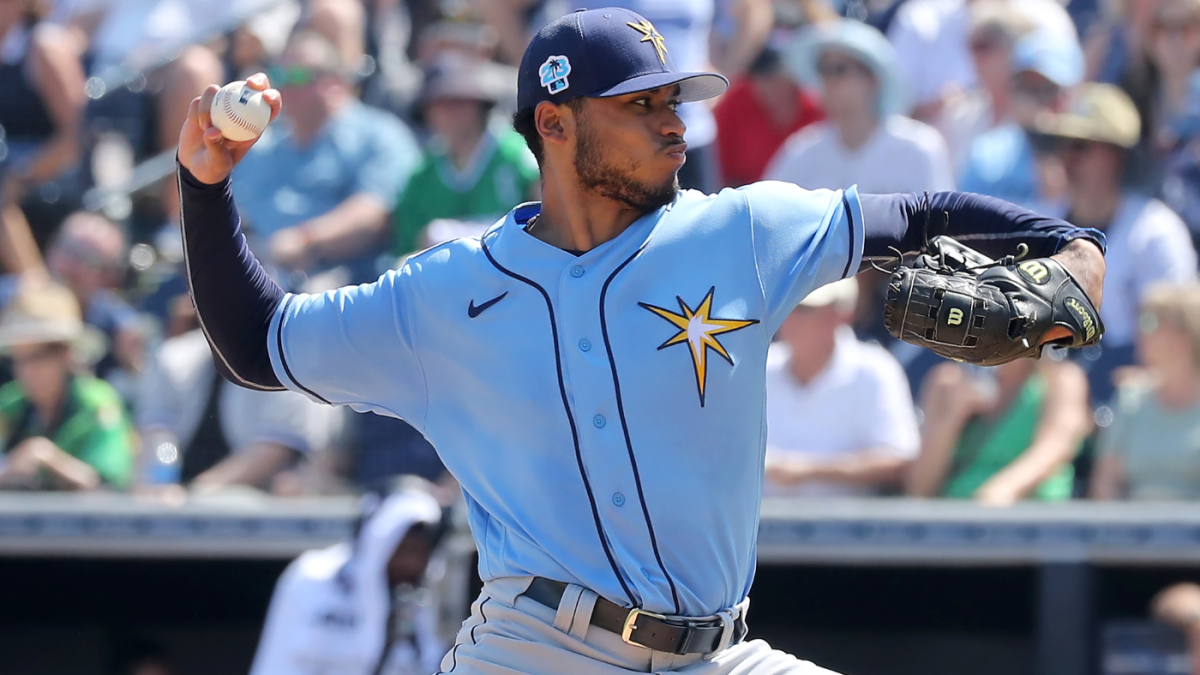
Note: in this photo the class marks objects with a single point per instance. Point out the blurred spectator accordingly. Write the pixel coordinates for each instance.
(1149, 450)
(88, 256)
(995, 29)
(1181, 173)
(386, 447)
(931, 39)
(344, 24)
(465, 37)
(1147, 243)
(863, 139)
(41, 114)
(1179, 605)
(392, 80)
(1118, 47)
(260, 41)
(1003, 434)
(740, 32)
(758, 113)
(1001, 162)
(159, 47)
(60, 428)
(320, 183)
(470, 173)
(198, 429)
(840, 420)
(1175, 53)
(360, 606)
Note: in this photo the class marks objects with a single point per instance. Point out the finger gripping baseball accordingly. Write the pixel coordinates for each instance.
(962, 306)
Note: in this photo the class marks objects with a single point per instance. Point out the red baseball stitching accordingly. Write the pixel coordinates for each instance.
(227, 104)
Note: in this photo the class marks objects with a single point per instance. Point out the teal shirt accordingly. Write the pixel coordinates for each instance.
(1159, 447)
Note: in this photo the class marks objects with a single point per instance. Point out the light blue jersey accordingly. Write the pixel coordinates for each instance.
(603, 413)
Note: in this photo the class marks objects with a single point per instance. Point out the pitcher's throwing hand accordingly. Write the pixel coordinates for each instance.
(203, 150)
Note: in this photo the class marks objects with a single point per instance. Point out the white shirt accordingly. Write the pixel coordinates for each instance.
(173, 395)
(1147, 244)
(930, 37)
(860, 401)
(815, 157)
(961, 122)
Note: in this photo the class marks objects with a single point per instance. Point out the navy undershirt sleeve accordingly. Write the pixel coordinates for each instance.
(994, 227)
(234, 297)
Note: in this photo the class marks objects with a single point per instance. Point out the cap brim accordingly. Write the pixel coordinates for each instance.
(692, 86)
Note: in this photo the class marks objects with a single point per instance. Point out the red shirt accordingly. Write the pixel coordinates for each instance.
(747, 136)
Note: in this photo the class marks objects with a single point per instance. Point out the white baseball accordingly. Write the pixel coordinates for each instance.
(240, 112)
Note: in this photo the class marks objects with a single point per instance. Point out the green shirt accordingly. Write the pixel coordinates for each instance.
(1159, 447)
(986, 447)
(94, 427)
(497, 178)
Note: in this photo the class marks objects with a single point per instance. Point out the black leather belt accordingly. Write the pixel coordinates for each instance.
(674, 634)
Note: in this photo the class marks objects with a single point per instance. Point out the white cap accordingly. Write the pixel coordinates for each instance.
(842, 293)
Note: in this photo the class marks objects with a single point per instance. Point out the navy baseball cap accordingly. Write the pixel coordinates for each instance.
(603, 52)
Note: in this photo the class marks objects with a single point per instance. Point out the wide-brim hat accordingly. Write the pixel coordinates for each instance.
(862, 43)
(454, 75)
(43, 312)
(1095, 112)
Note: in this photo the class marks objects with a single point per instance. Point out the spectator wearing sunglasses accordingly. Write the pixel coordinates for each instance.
(60, 428)
(1147, 242)
(863, 139)
(316, 190)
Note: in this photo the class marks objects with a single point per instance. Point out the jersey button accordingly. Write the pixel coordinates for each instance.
(576, 271)
(618, 499)
(585, 346)
(599, 421)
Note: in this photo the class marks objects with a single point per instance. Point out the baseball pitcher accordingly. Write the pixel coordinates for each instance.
(591, 369)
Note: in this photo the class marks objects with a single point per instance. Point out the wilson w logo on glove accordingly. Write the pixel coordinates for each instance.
(967, 307)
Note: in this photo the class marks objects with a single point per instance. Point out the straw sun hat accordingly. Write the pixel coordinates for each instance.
(44, 312)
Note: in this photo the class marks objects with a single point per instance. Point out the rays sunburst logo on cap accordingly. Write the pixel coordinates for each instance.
(651, 35)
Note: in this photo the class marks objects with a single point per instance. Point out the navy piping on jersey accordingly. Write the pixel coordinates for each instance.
(283, 358)
(850, 218)
(481, 605)
(562, 389)
(637, 479)
(453, 661)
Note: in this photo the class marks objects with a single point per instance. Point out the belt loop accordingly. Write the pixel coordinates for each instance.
(583, 613)
(566, 608)
(728, 628)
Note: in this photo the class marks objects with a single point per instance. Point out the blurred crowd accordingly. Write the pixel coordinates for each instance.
(396, 134)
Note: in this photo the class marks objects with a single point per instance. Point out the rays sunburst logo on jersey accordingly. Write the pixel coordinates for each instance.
(698, 329)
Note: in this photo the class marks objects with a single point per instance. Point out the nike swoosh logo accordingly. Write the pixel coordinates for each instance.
(473, 311)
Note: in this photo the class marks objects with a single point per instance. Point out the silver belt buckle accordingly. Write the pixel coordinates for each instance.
(631, 624)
